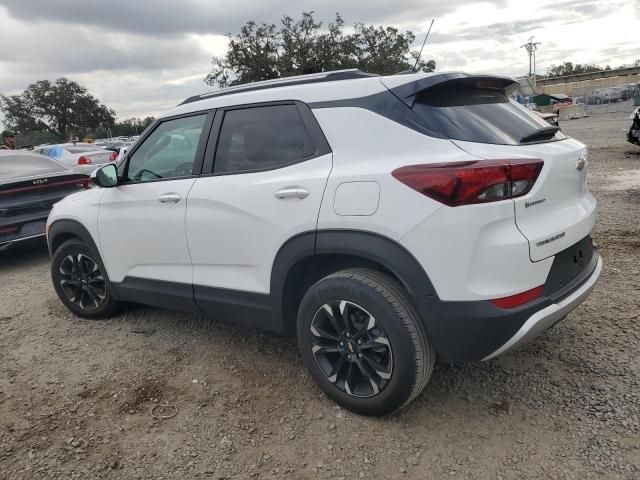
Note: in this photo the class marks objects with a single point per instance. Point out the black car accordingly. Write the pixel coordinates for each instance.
(29, 185)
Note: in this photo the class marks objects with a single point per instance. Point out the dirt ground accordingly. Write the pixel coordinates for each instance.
(76, 396)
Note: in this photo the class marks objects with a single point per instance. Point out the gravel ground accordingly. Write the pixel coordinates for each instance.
(76, 396)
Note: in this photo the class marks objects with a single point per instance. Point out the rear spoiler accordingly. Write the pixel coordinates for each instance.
(408, 90)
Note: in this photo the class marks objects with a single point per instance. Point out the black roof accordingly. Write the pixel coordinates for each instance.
(288, 81)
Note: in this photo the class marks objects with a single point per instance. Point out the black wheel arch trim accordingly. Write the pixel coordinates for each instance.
(73, 228)
(70, 227)
(367, 245)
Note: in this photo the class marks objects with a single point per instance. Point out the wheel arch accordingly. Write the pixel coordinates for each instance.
(310, 256)
(62, 230)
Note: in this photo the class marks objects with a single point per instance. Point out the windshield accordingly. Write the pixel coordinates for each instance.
(481, 115)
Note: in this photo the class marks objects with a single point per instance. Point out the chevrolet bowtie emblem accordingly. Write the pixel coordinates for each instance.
(581, 163)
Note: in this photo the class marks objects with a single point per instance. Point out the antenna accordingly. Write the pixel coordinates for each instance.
(423, 44)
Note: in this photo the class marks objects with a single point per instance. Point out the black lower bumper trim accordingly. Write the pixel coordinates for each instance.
(470, 331)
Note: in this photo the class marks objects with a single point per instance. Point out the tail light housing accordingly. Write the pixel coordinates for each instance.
(77, 182)
(84, 160)
(113, 156)
(466, 183)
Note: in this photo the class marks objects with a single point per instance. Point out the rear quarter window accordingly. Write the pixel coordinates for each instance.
(479, 115)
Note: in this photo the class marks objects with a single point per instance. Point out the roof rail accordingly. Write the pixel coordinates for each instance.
(348, 74)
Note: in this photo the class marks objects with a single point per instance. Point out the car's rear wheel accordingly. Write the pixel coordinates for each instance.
(363, 342)
(81, 281)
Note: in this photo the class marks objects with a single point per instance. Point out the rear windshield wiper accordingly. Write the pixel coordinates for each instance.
(540, 134)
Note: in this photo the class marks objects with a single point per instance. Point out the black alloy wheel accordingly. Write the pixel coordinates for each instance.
(351, 349)
(363, 342)
(82, 281)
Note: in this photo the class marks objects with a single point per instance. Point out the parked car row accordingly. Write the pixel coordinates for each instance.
(606, 95)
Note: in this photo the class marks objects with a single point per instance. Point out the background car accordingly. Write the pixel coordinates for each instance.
(78, 154)
(29, 185)
(605, 95)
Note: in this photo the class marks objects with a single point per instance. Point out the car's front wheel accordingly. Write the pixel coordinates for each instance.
(81, 282)
(363, 342)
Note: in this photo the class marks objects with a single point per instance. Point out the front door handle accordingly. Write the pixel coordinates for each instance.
(291, 192)
(169, 198)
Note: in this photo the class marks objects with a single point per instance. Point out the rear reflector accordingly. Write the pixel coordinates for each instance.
(84, 161)
(519, 298)
(465, 183)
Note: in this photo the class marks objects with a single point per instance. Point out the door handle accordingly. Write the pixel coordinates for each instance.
(291, 192)
(169, 198)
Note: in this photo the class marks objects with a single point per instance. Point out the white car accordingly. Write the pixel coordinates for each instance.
(386, 220)
(84, 157)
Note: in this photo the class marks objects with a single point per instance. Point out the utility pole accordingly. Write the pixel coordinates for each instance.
(531, 48)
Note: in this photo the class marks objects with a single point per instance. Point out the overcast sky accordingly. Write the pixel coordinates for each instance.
(142, 57)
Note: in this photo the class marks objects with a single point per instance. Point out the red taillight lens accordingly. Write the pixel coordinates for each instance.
(465, 183)
(519, 298)
(82, 183)
(84, 161)
(113, 157)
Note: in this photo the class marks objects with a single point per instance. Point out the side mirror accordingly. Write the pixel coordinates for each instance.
(105, 176)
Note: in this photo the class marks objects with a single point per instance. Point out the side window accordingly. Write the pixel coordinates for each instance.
(169, 152)
(261, 137)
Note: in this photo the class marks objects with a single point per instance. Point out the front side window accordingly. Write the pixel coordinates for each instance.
(261, 138)
(169, 152)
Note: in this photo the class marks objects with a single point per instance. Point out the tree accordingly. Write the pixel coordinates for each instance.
(263, 52)
(61, 108)
(568, 68)
(131, 126)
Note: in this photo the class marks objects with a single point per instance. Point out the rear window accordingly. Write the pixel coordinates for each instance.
(481, 115)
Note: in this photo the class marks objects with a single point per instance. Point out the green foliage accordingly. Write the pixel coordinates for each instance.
(61, 108)
(263, 51)
(568, 68)
(131, 126)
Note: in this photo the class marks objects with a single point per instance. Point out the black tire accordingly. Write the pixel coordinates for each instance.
(84, 290)
(400, 373)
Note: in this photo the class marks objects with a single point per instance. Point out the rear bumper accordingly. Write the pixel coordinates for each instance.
(478, 330)
(549, 316)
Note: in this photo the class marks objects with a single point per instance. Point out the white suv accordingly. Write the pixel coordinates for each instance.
(385, 220)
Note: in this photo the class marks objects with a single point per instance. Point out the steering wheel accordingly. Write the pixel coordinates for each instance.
(145, 170)
(183, 170)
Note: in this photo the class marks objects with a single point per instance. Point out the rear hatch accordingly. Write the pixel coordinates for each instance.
(559, 211)
(476, 113)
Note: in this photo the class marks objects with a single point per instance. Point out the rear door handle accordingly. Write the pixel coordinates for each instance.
(169, 198)
(291, 192)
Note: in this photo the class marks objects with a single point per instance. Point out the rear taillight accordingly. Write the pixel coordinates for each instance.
(80, 183)
(519, 298)
(465, 183)
(113, 156)
(84, 161)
